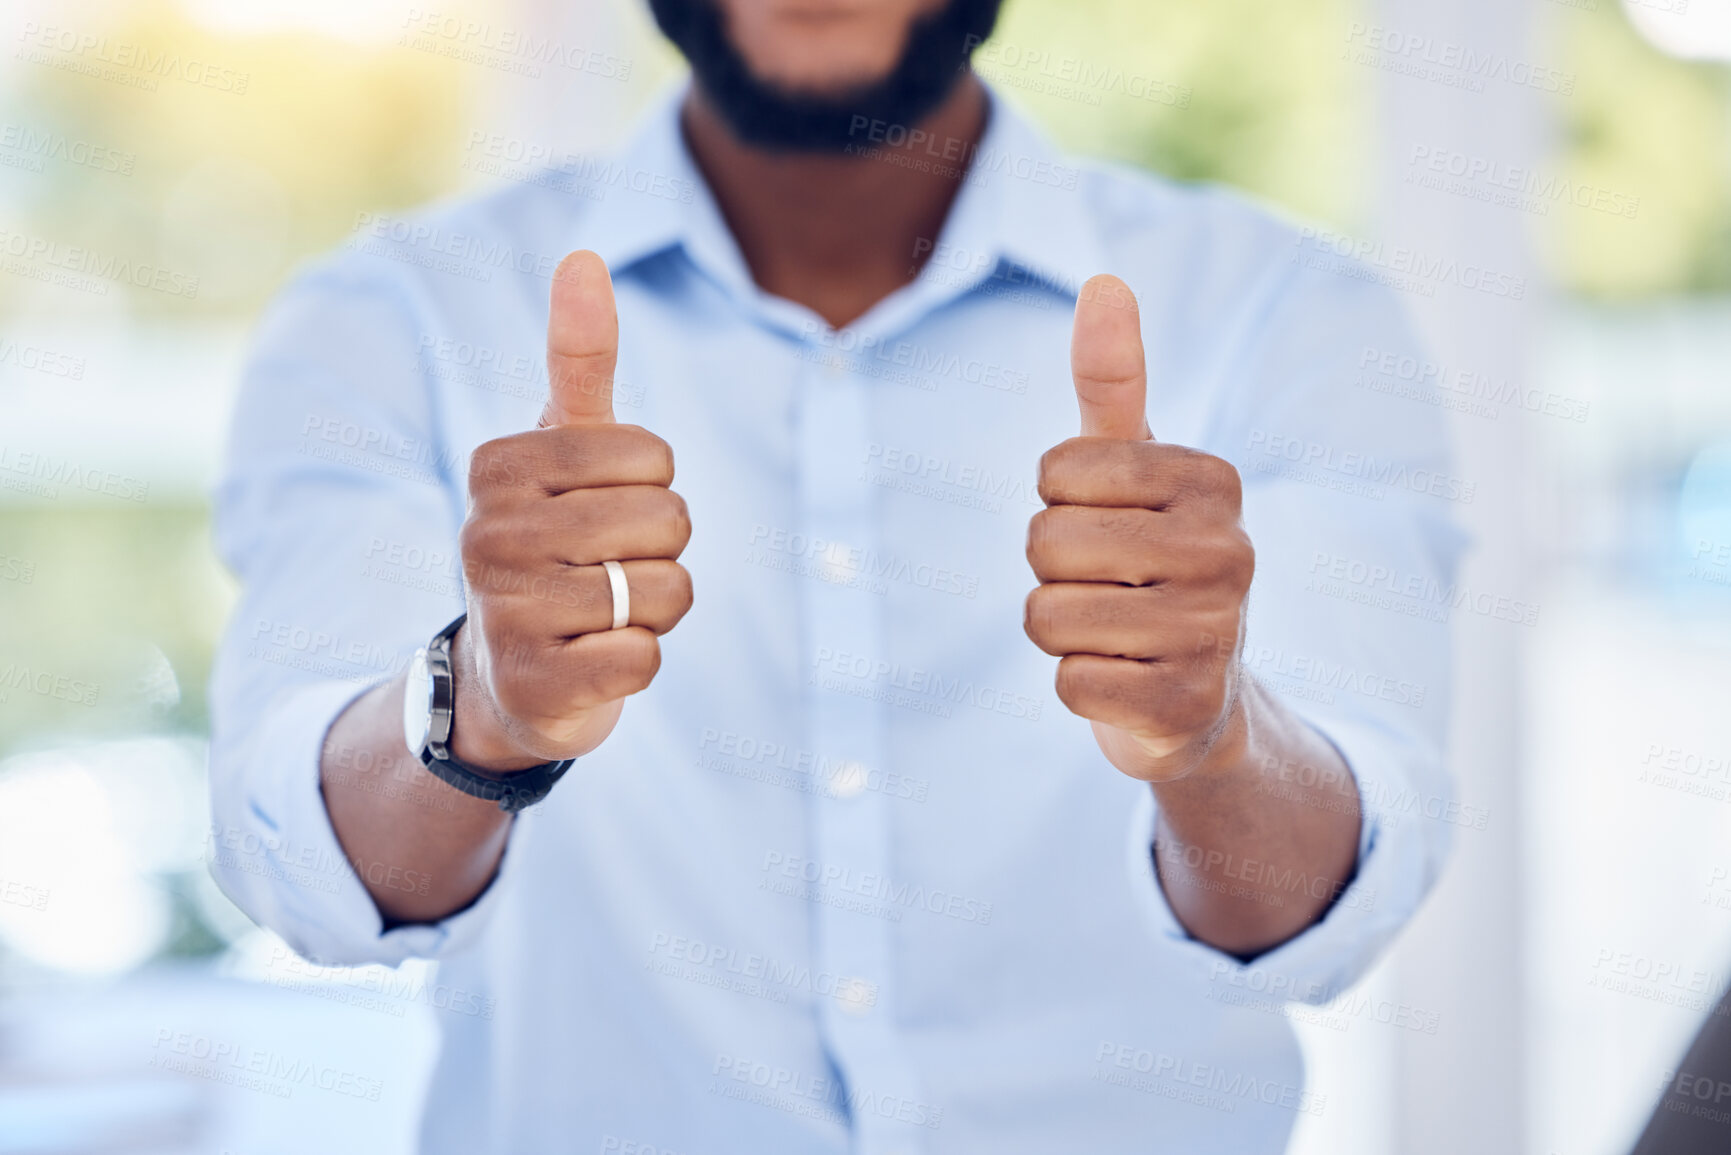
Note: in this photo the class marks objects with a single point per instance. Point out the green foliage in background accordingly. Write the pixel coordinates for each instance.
(1645, 125)
(1250, 93)
(127, 603)
(1244, 92)
(235, 187)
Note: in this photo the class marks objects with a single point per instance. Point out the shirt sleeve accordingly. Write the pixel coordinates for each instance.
(338, 510)
(1350, 490)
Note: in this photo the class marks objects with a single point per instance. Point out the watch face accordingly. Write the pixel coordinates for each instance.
(417, 703)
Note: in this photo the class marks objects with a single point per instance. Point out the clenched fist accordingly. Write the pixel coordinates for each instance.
(540, 672)
(1143, 563)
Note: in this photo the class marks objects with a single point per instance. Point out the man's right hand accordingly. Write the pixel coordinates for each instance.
(540, 674)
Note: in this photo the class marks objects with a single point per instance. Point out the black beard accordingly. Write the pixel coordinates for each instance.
(933, 60)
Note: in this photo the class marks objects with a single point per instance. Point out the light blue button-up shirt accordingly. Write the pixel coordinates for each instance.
(847, 876)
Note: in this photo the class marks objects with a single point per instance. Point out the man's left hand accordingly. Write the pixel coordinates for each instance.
(1143, 563)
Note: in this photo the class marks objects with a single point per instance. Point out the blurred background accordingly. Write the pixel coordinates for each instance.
(165, 165)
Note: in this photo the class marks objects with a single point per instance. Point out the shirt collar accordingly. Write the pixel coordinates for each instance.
(1022, 206)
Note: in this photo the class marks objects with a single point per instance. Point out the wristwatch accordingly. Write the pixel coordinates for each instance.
(429, 707)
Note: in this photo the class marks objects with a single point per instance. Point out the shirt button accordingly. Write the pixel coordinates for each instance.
(849, 781)
(856, 996)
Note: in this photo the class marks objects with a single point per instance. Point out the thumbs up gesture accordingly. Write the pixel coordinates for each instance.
(1143, 564)
(540, 669)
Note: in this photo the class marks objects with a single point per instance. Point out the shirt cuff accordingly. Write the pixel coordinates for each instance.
(274, 851)
(1397, 860)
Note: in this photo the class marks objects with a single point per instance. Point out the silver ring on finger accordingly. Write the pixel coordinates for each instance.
(621, 594)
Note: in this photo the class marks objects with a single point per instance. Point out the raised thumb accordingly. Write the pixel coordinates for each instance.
(1106, 361)
(582, 343)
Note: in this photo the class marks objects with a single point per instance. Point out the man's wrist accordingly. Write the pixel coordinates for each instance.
(478, 735)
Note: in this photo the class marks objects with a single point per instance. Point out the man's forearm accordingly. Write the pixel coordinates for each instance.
(1249, 854)
(423, 849)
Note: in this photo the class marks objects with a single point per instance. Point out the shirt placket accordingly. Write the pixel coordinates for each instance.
(853, 909)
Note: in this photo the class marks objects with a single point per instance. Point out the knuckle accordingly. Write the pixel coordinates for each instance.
(479, 541)
(681, 595)
(1038, 619)
(680, 515)
(1214, 478)
(638, 661)
(1072, 685)
(669, 594)
(1083, 685)
(491, 466)
(654, 451)
(1229, 484)
(1243, 563)
(1040, 530)
(1057, 465)
(663, 460)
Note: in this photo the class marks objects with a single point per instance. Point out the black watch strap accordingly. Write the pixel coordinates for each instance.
(512, 790)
